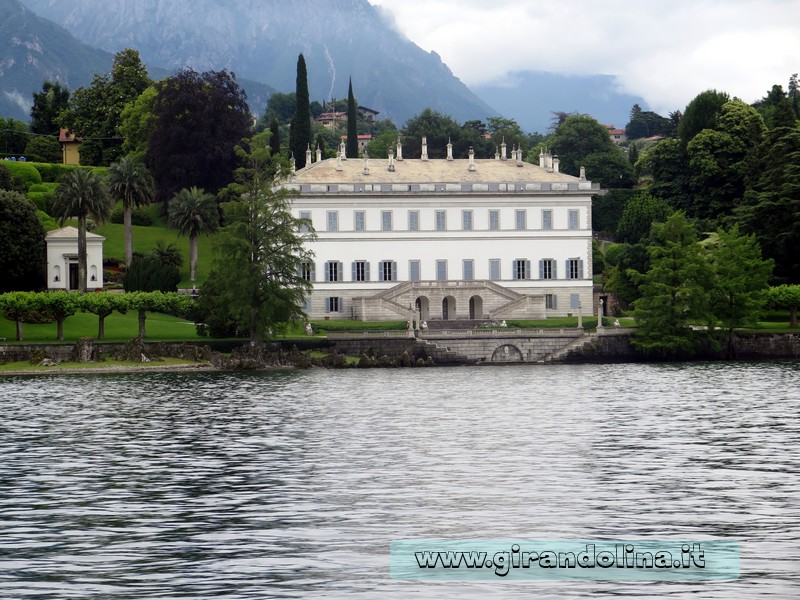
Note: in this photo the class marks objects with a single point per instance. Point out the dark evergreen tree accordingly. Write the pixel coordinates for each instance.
(633, 154)
(95, 112)
(47, 105)
(23, 253)
(300, 135)
(771, 209)
(352, 124)
(199, 120)
(149, 274)
(701, 113)
(275, 137)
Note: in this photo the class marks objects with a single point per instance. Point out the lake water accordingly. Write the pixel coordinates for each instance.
(293, 484)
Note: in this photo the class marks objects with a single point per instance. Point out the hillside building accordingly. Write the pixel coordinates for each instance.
(450, 238)
(62, 259)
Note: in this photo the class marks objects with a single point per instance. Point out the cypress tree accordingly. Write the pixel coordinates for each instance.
(300, 137)
(352, 125)
(275, 138)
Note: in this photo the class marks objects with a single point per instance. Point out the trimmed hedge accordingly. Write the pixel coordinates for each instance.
(53, 172)
(27, 173)
(139, 216)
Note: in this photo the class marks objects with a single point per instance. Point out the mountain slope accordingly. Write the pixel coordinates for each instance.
(533, 97)
(260, 40)
(33, 50)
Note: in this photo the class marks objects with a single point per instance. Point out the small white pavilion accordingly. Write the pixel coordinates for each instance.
(62, 259)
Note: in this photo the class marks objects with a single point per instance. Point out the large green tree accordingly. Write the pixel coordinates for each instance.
(22, 250)
(43, 148)
(102, 305)
(47, 106)
(437, 128)
(638, 216)
(579, 140)
(137, 123)
(740, 277)
(674, 292)
(82, 194)
(14, 136)
(701, 113)
(260, 249)
(771, 207)
(199, 119)
(300, 133)
(130, 181)
(193, 212)
(94, 112)
(722, 160)
(786, 297)
(58, 305)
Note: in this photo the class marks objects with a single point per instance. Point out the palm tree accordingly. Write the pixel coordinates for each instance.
(193, 212)
(130, 180)
(81, 193)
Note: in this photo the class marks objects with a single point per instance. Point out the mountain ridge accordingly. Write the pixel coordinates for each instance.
(261, 39)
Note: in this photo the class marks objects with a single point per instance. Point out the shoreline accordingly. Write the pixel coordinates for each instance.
(144, 368)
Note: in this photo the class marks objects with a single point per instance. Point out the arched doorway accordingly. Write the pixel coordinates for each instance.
(507, 353)
(423, 306)
(448, 308)
(476, 307)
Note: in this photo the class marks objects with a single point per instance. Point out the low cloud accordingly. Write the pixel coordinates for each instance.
(664, 51)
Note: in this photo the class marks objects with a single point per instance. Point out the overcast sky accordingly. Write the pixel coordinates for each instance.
(666, 51)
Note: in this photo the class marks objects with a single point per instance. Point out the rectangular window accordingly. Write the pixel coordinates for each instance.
(550, 301)
(388, 270)
(333, 220)
(494, 269)
(574, 301)
(334, 304)
(333, 271)
(305, 215)
(574, 268)
(441, 220)
(386, 220)
(308, 305)
(494, 220)
(547, 219)
(466, 220)
(413, 220)
(413, 270)
(573, 219)
(522, 269)
(520, 219)
(360, 270)
(360, 220)
(469, 270)
(307, 271)
(441, 270)
(547, 268)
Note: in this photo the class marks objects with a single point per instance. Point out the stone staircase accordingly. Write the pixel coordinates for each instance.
(441, 354)
(573, 346)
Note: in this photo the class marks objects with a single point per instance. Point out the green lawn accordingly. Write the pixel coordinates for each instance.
(145, 239)
(119, 328)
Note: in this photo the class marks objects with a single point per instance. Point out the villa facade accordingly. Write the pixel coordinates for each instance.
(446, 238)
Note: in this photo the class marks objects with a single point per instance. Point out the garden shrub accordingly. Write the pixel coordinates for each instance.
(139, 216)
(24, 172)
(53, 172)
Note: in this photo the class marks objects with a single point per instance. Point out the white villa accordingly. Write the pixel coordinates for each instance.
(62, 259)
(452, 238)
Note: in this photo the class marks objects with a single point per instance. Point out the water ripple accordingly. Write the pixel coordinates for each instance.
(292, 485)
